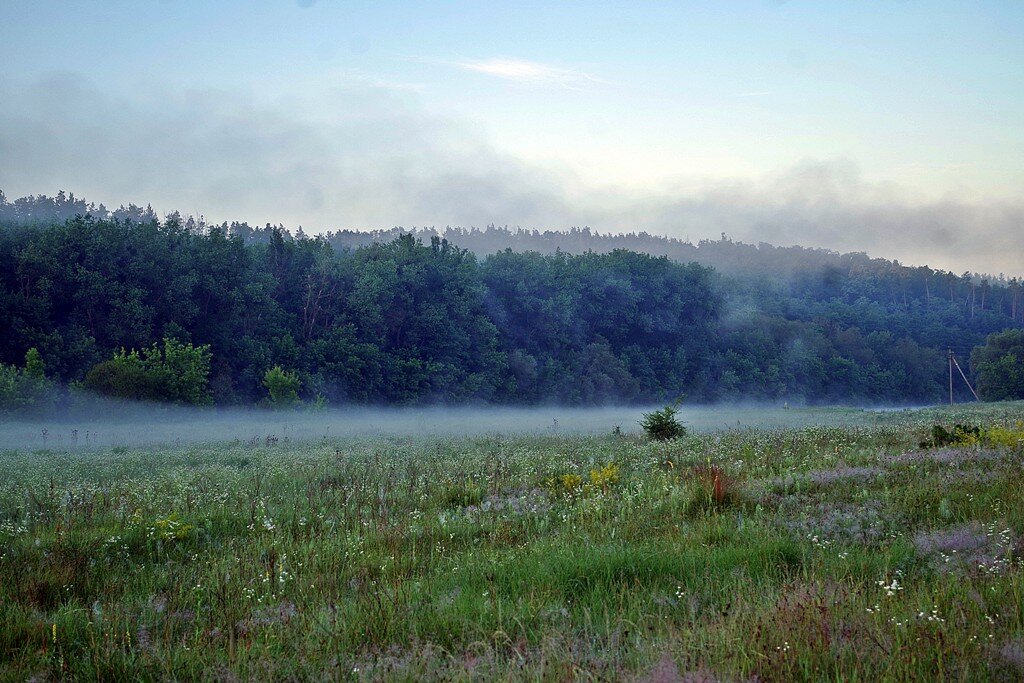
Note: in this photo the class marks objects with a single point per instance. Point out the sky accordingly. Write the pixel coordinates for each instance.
(885, 126)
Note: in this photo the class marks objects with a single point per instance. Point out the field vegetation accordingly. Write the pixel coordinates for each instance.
(794, 553)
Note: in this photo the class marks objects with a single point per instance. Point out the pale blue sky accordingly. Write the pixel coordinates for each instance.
(624, 116)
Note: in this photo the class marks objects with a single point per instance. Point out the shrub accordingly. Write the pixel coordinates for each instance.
(26, 389)
(282, 386)
(662, 425)
(34, 366)
(319, 403)
(962, 435)
(10, 397)
(186, 372)
(970, 435)
(999, 366)
(124, 376)
(177, 373)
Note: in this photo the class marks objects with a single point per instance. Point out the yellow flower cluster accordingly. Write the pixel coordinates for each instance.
(1005, 437)
(604, 478)
(171, 528)
(601, 480)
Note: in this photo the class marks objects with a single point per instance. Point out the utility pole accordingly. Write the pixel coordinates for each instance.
(966, 381)
(950, 376)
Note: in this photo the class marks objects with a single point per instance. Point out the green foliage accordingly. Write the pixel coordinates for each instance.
(999, 366)
(604, 478)
(462, 494)
(26, 390)
(712, 490)
(439, 559)
(562, 485)
(662, 425)
(282, 387)
(124, 376)
(1004, 437)
(34, 366)
(961, 435)
(170, 528)
(185, 371)
(994, 436)
(175, 373)
(13, 394)
(572, 318)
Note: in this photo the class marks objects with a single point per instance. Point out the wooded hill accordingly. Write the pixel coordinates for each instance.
(492, 315)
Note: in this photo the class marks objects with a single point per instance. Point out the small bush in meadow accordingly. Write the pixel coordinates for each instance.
(961, 435)
(662, 425)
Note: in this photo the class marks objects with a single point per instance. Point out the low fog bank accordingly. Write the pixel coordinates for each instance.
(142, 425)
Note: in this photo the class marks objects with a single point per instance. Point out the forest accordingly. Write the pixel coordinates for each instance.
(129, 304)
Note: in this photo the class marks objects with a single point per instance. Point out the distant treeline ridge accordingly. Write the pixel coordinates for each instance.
(493, 315)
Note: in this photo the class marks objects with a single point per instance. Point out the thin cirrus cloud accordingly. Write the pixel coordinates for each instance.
(530, 73)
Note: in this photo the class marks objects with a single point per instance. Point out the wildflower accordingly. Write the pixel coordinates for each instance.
(603, 478)
(891, 587)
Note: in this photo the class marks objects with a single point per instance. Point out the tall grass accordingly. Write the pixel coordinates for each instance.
(812, 553)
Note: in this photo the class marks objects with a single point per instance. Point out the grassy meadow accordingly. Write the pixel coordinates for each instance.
(836, 551)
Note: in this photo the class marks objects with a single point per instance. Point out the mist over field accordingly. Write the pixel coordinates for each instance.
(476, 341)
(114, 425)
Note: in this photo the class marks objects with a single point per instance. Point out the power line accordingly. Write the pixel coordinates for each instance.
(953, 361)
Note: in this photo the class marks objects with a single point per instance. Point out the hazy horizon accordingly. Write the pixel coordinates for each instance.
(1016, 270)
(118, 424)
(892, 128)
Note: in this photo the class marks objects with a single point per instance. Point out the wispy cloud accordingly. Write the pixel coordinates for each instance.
(378, 159)
(531, 73)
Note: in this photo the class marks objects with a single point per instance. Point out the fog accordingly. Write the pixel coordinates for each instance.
(117, 426)
(373, 158)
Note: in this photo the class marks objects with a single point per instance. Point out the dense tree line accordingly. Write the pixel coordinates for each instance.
(999, 365)
(802, 271)
(105, 296)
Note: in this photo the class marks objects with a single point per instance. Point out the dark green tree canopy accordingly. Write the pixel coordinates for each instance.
(394, 317)
(999, 366)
